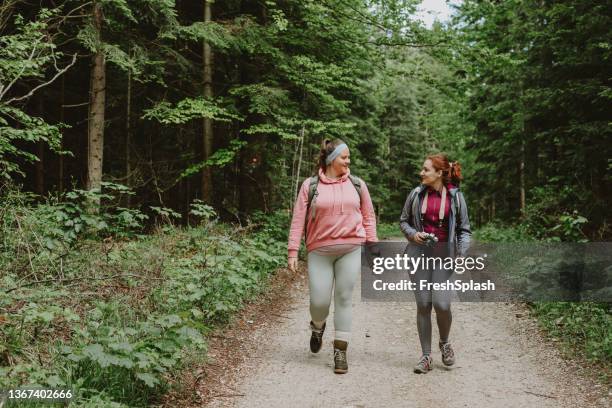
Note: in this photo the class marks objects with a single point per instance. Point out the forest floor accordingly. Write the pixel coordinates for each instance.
(503, 360)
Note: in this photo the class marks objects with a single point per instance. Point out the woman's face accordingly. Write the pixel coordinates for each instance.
(429, 175)
(341, 163)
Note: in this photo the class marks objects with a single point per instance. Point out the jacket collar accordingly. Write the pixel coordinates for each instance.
(452, 189)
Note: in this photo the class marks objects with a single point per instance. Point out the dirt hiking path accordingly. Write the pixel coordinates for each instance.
(502, 361)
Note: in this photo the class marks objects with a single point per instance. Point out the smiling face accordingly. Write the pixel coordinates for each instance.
(429, 175)
(340, 165)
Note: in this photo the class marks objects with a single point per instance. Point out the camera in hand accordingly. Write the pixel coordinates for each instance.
(430, 239)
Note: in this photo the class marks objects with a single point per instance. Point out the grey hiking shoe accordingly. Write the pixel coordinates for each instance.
(424, 365)
(316, 338)
(448, 355)
(340, 363)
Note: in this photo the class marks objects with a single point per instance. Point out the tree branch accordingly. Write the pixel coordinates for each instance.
(4, 89)
(57, 75)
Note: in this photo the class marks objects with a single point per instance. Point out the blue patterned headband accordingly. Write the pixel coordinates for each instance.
(332, 156)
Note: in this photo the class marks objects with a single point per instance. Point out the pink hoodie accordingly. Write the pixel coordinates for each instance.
(339, 219)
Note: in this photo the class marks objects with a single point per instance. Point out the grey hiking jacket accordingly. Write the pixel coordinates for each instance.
(459, 233)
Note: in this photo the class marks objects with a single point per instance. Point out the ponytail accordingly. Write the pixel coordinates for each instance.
(451, 171)
(455, 173)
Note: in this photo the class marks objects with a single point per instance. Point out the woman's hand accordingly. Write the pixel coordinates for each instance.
(419, 238)
(292, 263)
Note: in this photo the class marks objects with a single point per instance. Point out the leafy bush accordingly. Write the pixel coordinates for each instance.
(127, 363)
(228, 268)
(113, 318)
(388, 230)
(494, 232)
(61, 221)
(569, 228)
(272, 227)
(551, 215)
(585, 326)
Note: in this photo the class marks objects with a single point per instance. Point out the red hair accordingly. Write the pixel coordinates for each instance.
(451, 171)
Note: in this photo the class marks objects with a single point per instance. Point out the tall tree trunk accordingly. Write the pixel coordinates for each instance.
(96, 107)
(522, 178)
(60, 175)
(40, 164)
(207, 125)
(40, 168)
(522, 158)
(128, 135)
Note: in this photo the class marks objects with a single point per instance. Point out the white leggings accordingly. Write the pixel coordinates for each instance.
(323, 271)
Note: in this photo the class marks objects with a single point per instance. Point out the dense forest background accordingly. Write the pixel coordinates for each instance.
(151, 150)
(227, 102)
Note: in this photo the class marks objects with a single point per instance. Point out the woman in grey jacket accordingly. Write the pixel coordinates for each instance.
(436, 208)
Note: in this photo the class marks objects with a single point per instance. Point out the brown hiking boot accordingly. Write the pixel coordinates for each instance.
(316, 338)
(340, 363)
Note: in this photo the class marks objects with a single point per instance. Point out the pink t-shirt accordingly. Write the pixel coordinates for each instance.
(340, 216)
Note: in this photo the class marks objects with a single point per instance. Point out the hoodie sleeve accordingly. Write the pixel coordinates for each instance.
(299, 217)
(367, 212)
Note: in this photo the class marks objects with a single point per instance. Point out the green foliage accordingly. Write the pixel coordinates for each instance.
(216, 34)
(551, 216)
(211, 284)
(272, 228)
(114, 319)
(570, 227)
(510, 82)
(220, 158)
(25, 55)
(77, 221)
(189, 109)
(15, 125)
(389, 231)
(495, 232)
(585, 327)
(539, 96)
(201, 210)
(126, 363)
(166, 214)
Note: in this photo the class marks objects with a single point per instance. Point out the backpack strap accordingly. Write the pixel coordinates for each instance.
(312, 189)
(312, 193)
(357, 183)
(442, 206)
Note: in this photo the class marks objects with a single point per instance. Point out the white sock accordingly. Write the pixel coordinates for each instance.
(344, 336)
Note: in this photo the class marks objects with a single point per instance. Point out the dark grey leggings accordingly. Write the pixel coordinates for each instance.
(441, 301)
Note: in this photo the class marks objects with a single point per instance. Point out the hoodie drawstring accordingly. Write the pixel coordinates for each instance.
(341, 196)
(334, 201)
(341, 180)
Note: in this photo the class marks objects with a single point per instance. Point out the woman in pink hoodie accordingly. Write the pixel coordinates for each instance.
(334, 211)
